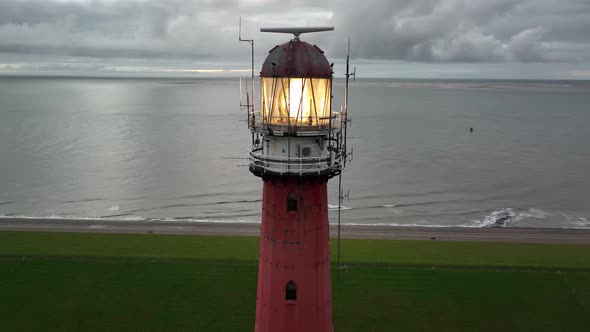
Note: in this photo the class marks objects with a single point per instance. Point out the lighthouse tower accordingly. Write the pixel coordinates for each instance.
(296, 148)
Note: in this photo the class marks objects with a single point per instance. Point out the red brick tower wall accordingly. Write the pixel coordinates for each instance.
(294, 247)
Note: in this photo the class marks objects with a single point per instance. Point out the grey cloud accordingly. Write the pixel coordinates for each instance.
(127, 28)
(435, 31)
(145, 29)
(526, 46)
(441, 30)
(464, 31)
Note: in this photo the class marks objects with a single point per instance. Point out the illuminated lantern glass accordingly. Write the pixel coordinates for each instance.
(302, 102)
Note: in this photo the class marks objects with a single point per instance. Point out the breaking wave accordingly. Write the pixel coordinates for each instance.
(127, 217)
(393, 224)
(381, 206)
(497, 218)
(515, 217)
(335, 207)
(117, 217)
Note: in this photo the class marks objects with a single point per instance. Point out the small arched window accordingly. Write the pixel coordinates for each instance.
(291, 291)
(291, 202)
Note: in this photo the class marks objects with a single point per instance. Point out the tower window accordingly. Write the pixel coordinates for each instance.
(291, 202)
(291, 291)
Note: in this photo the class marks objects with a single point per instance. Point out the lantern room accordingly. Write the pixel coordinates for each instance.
(295, 133)
(296, 87)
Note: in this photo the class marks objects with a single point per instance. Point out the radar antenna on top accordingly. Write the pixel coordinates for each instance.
(297, 31)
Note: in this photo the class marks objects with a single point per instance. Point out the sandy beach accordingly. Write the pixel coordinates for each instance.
(525, 235)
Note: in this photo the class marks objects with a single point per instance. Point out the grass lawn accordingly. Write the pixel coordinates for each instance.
(98, 282)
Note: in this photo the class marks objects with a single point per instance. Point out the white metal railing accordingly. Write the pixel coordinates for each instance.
(293, 165)
(261, 123)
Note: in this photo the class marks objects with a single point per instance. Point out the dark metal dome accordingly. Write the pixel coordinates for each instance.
(296, 59)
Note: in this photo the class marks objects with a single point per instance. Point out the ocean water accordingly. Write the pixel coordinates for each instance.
(176, 149)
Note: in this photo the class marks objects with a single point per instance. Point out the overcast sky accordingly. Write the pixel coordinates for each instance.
(389, 38)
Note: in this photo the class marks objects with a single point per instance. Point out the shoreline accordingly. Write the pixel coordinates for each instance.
(523, 235)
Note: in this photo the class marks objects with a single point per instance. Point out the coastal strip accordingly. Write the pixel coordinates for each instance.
(523, 235)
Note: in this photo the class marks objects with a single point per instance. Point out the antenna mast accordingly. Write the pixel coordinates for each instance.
(344, 122)
(249, 107)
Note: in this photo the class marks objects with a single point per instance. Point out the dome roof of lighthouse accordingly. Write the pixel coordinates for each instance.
(296, 59)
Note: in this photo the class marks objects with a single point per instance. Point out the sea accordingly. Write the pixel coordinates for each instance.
(177, 149)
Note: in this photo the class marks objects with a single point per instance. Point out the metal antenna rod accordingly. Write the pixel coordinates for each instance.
(340, 197)
(251, 42)
(346, 103)
(345, 124)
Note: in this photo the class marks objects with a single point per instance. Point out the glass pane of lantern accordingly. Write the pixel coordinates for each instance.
(298, 94)
(321, 92)
(296, 101)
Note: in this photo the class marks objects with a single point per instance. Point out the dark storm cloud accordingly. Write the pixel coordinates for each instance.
(409, 30)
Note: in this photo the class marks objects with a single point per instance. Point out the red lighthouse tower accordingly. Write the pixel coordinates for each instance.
(296, 148)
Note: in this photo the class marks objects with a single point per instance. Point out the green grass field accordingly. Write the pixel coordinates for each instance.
(98, 282)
